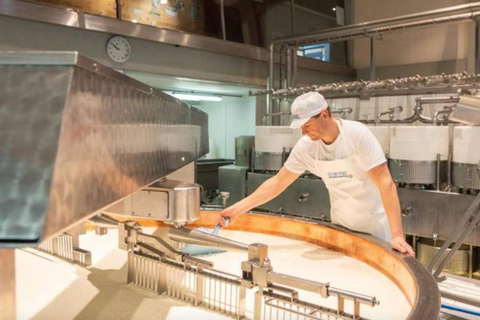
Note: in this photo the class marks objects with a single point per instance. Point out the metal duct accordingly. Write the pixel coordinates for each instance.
(77, 137)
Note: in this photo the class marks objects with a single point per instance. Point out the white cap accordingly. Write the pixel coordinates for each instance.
(306, 106)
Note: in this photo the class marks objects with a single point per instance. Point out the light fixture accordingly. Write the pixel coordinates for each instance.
(163, 1)
(194, 97)
(334, 9)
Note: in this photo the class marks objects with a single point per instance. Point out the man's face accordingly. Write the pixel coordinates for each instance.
(315, 126)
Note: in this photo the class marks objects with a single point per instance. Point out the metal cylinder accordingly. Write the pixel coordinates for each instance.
(466, 175)
(415, 172)
(427, 249)
(197, 237)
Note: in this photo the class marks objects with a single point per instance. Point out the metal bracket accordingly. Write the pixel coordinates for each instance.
(66, 247)
(470, 220)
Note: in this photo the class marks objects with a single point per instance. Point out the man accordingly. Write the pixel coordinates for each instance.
(350, 161)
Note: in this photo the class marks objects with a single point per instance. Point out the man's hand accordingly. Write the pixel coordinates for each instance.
(399, 244)
(231, 213)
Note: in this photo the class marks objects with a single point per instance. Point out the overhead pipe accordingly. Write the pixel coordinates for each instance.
(360, 30)
(373, 62)
(222, 17)
(290, 52)
(292, 15)
(453, 14)
(360, 87)
(201, 238)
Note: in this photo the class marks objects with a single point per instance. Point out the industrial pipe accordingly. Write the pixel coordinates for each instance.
(371, 29)
(197, 237)
(391, 85)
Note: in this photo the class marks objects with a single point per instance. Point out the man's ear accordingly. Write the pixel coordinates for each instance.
(324, 114)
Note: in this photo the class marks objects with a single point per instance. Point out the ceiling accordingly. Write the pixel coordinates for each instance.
(198, 86)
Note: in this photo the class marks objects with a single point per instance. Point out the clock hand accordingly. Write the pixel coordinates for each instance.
(115, 47)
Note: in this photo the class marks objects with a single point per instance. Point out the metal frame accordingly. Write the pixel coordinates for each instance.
(150, 258)
(66, 247)
(258, 273)
(407, 85)
(372, 29)
(470, 220)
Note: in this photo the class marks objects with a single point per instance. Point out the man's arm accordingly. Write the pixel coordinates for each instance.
(266, 192)
(382, 179)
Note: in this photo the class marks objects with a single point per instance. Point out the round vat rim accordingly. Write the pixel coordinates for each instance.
(423, 293)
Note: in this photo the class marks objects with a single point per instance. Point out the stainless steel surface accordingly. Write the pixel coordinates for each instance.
(292, 16)
(468, 222)
(67, 247)
(207, 174)
(7, 281)
(293, 200)
(459, 263)
(268, 161)
(71, 18)
(215, 290)
(103, 221)
(173, 202)
(289, 62)
(278, 306)
(243, 150)
(201, 285)
(437, 171)
(222, 17)
(79, 136)
(270, 82)
(433, 212)
(467, 110)
(415, 172)
(445, 114)
(204, 239)
(466, 175)
(373, 62)
(391, 113)
(233, 179)
(477, 47)
(146, 272)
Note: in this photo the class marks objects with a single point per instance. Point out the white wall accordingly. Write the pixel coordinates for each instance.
(228, 119)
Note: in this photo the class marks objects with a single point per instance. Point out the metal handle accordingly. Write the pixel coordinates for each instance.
(303, 197)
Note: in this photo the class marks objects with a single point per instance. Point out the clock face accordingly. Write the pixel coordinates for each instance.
(118, 49)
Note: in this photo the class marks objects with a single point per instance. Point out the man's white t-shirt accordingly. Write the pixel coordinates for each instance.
(364, 146)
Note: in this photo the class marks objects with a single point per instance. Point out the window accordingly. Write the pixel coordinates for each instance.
(316, 51)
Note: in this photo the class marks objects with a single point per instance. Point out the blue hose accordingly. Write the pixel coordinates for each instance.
(447, 306)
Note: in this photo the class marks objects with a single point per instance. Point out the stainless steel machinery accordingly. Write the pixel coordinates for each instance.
(435, 163)
(85, 142)
(77, 137)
